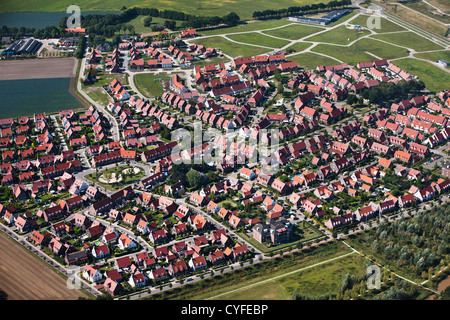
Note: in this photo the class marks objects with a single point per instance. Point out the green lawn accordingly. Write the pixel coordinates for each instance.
(309, 60)
(294, 32)
(230, 48)
(409, 40)
(214, 60)
(149, 84)
(434, 78)
(385, 25)
(340, 35)
(259, 39)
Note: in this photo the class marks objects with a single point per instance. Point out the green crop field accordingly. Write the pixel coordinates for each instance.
(294, 32)
(29, 96)
(409, 40)
(244, 8)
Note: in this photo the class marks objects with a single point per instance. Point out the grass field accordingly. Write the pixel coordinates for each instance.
(434, 78)
(360, 51)
(278, 268)
(149, 85)
(340, 35)
(244, 8)
(230, 48)
(294, 32)
(99, 95)
(385, 25)
(259, 39)
(409, 40)
(309, 60)
(317, 280)
(434, 56)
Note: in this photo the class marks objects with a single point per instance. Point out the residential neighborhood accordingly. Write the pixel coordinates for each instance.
(217, 162)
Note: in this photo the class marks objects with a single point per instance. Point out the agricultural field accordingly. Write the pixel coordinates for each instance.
(244, 8)
(310, 60)
(28, 278)
(38, 68)
(36, 95)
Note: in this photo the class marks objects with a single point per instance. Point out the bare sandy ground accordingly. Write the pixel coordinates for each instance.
(25, 277)
(38, 68)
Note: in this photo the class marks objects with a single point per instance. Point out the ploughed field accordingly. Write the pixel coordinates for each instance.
(25, 277)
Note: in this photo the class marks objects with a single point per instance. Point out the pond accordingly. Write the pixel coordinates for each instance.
(39, 19)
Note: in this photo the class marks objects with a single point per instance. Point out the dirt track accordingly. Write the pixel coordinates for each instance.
(25, 277)
(38, 68)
